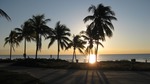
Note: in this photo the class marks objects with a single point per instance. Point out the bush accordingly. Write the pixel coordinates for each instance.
(48, 63)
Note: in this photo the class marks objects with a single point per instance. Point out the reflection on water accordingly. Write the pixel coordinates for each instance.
(82, 58)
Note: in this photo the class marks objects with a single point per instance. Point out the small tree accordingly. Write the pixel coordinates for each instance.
(12, 40)
(61, 33)
(77, 43)
(26, 33)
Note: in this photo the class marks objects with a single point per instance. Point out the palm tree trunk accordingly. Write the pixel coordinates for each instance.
(73, 56)
(36, 50)
(89, 55)
(24, 49)
(58, 50)
(10, 50)
(96, 52)
(37, 45)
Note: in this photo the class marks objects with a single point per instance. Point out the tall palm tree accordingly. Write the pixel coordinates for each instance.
(12, 40)
(101, 22)
(26, 33)
(61, 34)
(3, 14)
(38, 23)
(77, 43)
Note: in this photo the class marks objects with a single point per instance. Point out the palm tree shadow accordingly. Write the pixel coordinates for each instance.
(48, 74)
(92, 80)
(102, 77)
(95, 73)
(86, 77)
(63, 76)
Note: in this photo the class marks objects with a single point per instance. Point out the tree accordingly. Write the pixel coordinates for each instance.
(26, 33)
(3, 14)
(12, 40)
(38, 23)
(89, 37)
(61, 33)
(77, 43)
(101, 22)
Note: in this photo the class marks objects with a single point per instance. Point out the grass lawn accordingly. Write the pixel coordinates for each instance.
(7, 77)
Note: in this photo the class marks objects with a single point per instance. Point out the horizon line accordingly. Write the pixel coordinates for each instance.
(78, 54)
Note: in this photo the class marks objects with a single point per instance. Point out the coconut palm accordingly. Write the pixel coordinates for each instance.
(38, 23)
(89, 37)
(3, 14)
(61, 34)
(101, 22)
(12, 40)
(77, 43)
(26, 33)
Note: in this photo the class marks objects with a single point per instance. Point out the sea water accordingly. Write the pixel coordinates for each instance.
(83, 58)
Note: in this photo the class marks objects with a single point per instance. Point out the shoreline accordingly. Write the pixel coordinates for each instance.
(83, 59)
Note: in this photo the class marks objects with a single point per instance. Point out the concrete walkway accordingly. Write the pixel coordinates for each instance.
(63, 76)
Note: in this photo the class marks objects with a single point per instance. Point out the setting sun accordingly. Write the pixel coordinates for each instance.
(92, 59)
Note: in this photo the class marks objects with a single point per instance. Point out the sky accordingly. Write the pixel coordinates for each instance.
(131, 34)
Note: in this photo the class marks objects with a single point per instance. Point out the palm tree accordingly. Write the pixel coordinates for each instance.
(77, 43)
(26, 33)
(101, 22)
(3, 14)
(89, 37)
(60, 33)
(38, 23)
(12, 40)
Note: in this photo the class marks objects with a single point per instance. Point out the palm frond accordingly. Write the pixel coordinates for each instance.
(88, 18)
(3, 14)
(108, 31)
(51, 42)
(92, 8)
(80, 50)
(18, 29)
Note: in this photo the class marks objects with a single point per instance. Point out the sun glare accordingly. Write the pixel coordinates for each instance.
(92, 58)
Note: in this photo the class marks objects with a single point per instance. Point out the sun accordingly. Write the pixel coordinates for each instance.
(92, 58)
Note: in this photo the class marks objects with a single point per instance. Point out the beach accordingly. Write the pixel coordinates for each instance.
(75, 76)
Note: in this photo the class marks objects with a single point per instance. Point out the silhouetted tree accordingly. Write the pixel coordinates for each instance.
(101, 22)
(26, 33)
(38, 23)
(77, 43)
(61, 34)
(12, 40)
(3, 14)
(88, 36)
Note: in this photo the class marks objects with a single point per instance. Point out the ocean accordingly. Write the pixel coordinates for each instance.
(82, 58)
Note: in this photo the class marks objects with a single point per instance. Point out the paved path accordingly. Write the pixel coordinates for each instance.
(62, 76)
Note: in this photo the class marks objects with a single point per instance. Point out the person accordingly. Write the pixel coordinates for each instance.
(77, 60)
(24, 55)
(50, 56)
